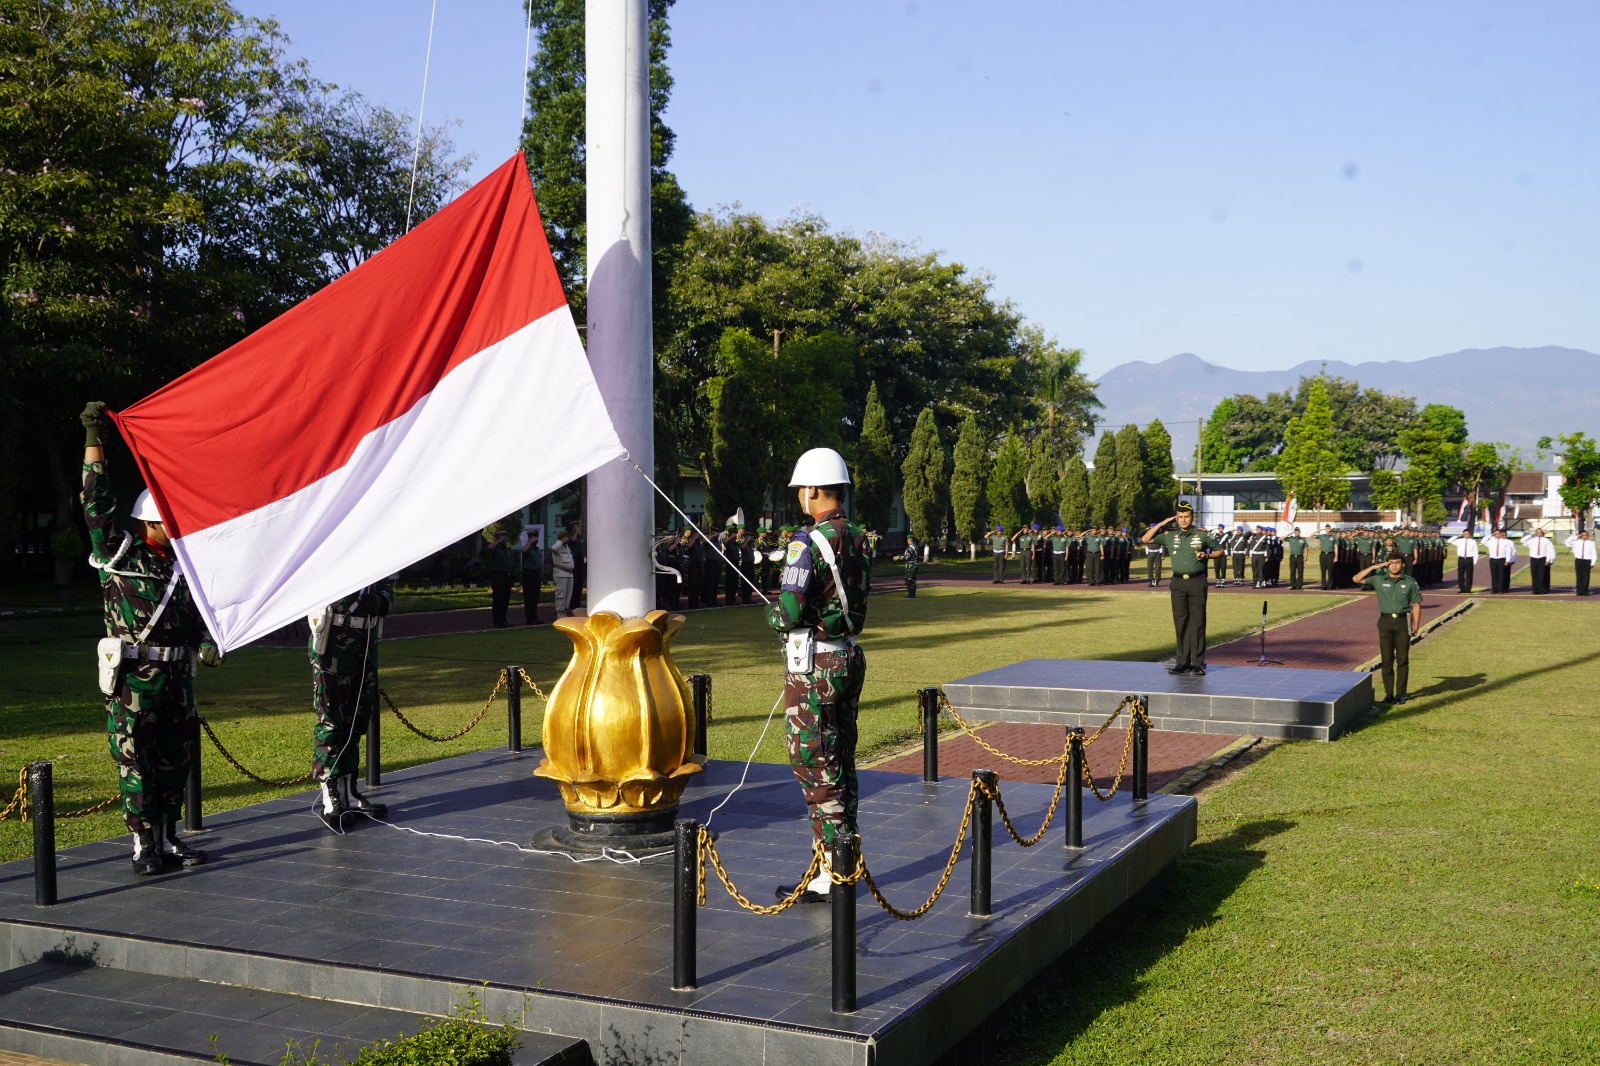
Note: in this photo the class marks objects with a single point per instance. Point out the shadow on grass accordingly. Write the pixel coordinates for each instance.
(1477, 684)
(1107, 968)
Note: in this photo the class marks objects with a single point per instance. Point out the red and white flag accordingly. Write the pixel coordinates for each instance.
(435, 388)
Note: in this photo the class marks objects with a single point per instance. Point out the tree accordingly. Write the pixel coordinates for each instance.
(1103, 482)
(1217, 455)
(967, 496)
(1044, 480)
(1159, 488)
(1580, 473)
(874, 470)
(1064, 394)
(926, 479)
(1425, 477)
(1308, 467)
(169, 182)
(1386, 490)
(1130, 476)
(1484, 468)
(1007, 489)
(554, 138)
(737, 471)
(1075, 494)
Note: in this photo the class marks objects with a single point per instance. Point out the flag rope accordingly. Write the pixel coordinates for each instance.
(416, 144)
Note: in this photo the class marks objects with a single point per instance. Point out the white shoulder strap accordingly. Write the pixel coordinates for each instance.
(833, 564)
(155, 616)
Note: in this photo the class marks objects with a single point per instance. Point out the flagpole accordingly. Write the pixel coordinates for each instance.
(621, 508)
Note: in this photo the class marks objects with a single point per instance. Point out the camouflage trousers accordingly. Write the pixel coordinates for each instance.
(344, 700)
(151, 728)
(820, 721)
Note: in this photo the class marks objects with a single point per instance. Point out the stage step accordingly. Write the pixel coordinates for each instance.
(98, 1015)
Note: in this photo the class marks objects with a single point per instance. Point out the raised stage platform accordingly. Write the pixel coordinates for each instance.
(1264, 701)
(295, 933)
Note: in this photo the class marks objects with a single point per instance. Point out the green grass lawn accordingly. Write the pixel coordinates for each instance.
(1425, 889)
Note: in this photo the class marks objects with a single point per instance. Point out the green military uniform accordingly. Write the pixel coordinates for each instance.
(1024, 551)
(912, 558)
(1395, 597)
(1153, 555)
(151, 723)
(999, 545)
(1187, 551)
(1327, 549)
(344, 676)
(821, 699)
(1295, 547)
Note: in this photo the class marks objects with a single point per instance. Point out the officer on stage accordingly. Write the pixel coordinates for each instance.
(1399, 618)
(821, 606)
(153, 635)
(1188, 548)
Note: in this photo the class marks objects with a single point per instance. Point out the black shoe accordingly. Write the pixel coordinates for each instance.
(146, 853)
(1399, 699)
(1176, 669)
(1198, 671)
(330, 805)
(784, 891)
(180, 852)
(356, 803)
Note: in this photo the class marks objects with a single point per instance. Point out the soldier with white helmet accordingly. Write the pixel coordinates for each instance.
(821, 606)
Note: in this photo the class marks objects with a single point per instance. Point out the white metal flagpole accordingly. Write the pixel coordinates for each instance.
(621, 508)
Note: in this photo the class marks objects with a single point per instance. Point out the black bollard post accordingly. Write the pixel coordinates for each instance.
(41, 798)
(930, 733)
(374, 744)
(982, 842)
(843, 900)
(685, 846)
(193, 820)
(1141, 754)
(1074, 789)
(702, 697)
(514, 708)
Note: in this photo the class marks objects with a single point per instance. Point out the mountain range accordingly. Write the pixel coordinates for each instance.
(1514, 395)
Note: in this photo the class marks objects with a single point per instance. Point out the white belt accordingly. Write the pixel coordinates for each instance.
(355, 621)
(154, 653)
(843, 644)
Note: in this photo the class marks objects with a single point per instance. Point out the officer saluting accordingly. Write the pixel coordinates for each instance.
(821, 606)
(153, 633)
(1399, 616)
(1189, 548)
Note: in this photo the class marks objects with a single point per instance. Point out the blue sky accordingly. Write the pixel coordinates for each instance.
(1257, 183)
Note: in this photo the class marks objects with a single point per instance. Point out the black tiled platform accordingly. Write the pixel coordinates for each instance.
(1298, 704)
(385, 918)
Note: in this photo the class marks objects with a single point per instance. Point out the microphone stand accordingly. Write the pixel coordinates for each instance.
(1264, 661)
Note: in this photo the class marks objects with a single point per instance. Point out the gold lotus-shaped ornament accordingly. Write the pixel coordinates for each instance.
(618, 736)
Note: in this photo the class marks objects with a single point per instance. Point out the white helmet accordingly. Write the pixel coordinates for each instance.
(144, 508)
(819, 467)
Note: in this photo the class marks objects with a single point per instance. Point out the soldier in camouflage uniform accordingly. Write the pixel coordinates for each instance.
(344, 679)
(821, 606)
(150, 714)
(912, 558)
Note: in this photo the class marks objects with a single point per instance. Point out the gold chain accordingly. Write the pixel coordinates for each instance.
(498, 685)
(944, 879)
(1138, 715)
(257, 778)
(19, 803)
(1049, 816)
(707, 849)
(531, 683)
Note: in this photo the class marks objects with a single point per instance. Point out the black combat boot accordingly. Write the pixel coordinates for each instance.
(146, 853)
(180, 852)
(330, 805)
(356, 803)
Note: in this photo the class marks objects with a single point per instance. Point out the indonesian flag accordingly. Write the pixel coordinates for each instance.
(1290, 509)
(1485, 509)
(1461, 512)
(435, 388)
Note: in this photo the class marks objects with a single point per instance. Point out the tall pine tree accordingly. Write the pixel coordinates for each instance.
(926, 479)
(1103, 482)
(1130, 476)
(1008, 494)
(1309, 467)
(1044, 480)
(874, 472)
(737, 472)
(1075, 494)
(1160, 491)
(967, 496)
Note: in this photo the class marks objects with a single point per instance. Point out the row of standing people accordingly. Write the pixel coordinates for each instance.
(1059, 556)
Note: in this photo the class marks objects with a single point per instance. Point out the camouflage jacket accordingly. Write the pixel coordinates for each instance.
(808, 597)
(348, 645)
(134, 575)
